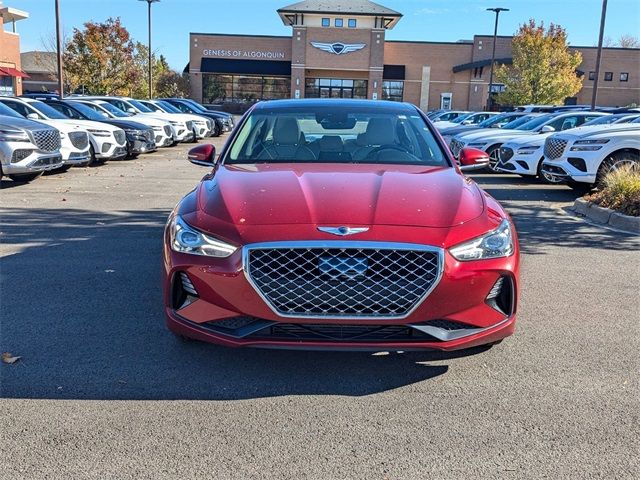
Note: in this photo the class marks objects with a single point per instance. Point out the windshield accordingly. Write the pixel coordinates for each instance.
(462, 117)
(140, 106)
(336, 135)
(115, 111)
(515, 124)
(501, 119)
(48, 111)
(9, 112)
(88, 112)
(536, 122)
(167, 107)
(194, 105)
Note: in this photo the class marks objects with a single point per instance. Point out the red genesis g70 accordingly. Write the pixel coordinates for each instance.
(330, 224)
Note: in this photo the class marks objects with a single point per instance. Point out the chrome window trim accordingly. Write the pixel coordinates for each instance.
(371, 245)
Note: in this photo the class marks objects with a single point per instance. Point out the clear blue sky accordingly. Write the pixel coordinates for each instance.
(432, 20)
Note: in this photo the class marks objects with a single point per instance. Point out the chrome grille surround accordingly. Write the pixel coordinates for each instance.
(47, 140)
(120, 136)
(80, 140)
(554, 147)
(343, 279)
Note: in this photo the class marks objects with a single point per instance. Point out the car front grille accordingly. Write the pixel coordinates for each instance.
(120, 137)
(339, 332)
(80, 140)
(47, 140)
(19, 155)
(189, 125)
(505, 154)
(554, 147)
(343, 279)
(167, 130)
(455, 146)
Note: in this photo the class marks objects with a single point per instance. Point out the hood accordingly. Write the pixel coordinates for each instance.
(335, 195)
(85, 124)
(537, 139)
(491, 132)
(64, 125)
(126, 124)
(150, 121)
(25, 123)
(593, 130)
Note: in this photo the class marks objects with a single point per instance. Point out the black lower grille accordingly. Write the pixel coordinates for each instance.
(19, 155)
(331, 332)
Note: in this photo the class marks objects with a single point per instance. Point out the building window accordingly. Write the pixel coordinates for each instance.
(477, 72)
(624, 77)
(338, 22)
(608, 76)
(326, 22)
(592, 75)
(352, 23)
(219, 88)
(392, 90)
(335, 88)
(6, 85)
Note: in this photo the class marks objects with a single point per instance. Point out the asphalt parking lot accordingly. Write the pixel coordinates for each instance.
(104, 391)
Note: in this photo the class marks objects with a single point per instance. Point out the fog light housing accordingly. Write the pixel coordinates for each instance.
(105, 147)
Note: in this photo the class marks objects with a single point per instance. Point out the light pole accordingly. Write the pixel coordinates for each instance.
(493, 52)
(59, 48)
(594, 94)
(150, 78)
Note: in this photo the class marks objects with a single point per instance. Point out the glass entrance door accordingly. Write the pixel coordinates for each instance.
(335, 88)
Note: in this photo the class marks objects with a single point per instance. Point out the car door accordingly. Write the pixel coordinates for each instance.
(65, 110)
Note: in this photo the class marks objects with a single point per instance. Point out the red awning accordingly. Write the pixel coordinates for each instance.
(12, 72)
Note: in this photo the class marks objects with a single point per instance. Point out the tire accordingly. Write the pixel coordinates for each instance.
(93, 161)
(195, 137)
(494, 159)
(615, 162)
(545, 178)
(217, 130)
(24, 177)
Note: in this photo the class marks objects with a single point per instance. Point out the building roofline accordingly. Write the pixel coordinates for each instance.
(328, 12)
(429, 42)
(238, 35)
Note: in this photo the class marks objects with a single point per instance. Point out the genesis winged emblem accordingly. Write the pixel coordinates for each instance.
(339, 48)
(343, 231)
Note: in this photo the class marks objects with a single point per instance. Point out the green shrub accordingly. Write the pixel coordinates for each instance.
(621, 191)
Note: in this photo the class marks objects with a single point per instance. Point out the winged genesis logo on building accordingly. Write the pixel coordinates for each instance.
(339, 48)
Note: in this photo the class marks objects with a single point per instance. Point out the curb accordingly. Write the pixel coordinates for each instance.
(606, 216)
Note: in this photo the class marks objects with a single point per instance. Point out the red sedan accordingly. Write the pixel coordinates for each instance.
(331, 224)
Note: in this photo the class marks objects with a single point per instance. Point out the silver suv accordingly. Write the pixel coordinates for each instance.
(27, 148)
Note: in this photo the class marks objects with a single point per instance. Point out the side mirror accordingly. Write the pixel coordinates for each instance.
(547, 129)
(203, 155)
(33, 116)
(466, 122)
(131, 110)
(472, 159)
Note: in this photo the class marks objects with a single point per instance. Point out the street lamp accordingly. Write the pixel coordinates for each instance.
(149, 2)
(59, 48)
(493, 53)
(594, 93)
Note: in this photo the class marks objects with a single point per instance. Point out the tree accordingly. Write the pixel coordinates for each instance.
(171, 84)
(543, 69)
(628, 41)
(100, 57)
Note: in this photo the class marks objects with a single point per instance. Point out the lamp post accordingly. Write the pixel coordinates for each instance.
(150, 77)
(493, 52)
(594, 94)
(59, 48)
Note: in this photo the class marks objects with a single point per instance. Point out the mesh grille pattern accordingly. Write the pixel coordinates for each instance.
(120, 137)
(344, 281)
(341, 332)
(554, 147)
(455, 146)
(47, 140)
(148, 134)
(80, 140)
(167, 130)
(505, 154)
(19, 155)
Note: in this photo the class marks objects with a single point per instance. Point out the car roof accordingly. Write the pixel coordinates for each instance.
(381, 105)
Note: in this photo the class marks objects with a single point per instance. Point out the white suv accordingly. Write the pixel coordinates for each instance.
(202, 127)
(27, 148)
(584, 156)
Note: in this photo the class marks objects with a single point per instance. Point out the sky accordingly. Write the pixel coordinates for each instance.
(428, 20)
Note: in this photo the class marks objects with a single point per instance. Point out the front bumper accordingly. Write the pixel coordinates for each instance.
(521, 164)
(35, 162)
(575, 168)
(109, 150)
(136, 146)
(73, 156)
(225, 295)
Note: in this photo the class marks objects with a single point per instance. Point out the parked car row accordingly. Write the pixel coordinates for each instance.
(570, 145)
(44, 133)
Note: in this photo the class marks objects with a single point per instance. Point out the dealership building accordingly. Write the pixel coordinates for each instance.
(338, 49)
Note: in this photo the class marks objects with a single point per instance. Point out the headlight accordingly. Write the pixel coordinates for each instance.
(99, 133)
(157, 129)
(527, 149)
(495, 244)
(11, 135)
(173, 122)
(186, 239)
(588, 145)
(476, 144)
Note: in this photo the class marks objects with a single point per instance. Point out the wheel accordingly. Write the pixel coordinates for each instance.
(24, 177)
(545, 177)
(217, 130)
(494, 159)
(93, 161)
(616, 162)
